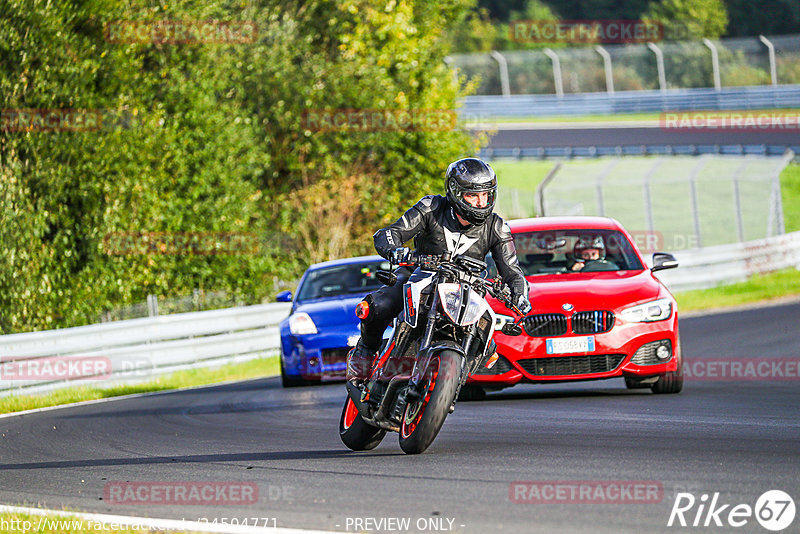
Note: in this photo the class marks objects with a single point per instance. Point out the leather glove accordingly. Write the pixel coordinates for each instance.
(399, 255)
(523, 303)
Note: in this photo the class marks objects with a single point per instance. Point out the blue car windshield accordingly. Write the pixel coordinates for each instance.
(341, 280)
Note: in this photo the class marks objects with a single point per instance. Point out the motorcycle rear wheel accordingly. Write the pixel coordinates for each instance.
(355, 433)
(423, 419)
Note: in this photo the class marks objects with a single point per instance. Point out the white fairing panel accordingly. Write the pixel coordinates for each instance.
(411, 296)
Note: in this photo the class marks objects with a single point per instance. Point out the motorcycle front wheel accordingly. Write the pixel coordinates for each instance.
(355, 433)
(423, 419)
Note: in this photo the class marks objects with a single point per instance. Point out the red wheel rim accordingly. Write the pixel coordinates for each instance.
(407, 427)
(350, 413)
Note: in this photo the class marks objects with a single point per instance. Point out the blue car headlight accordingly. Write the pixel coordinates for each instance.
(301, 323)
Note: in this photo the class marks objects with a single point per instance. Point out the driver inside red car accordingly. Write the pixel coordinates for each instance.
(590, 253)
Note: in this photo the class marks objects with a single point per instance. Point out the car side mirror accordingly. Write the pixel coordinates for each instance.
(511, 329)
(386, 278)
(662, 261)
(284, 296)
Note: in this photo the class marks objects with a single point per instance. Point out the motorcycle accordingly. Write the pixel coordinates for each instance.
(442, 336)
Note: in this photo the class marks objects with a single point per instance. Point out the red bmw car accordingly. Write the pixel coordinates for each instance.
(598, 311)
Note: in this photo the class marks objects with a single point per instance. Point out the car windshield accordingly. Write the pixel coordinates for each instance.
(559, 251)
(341, 280)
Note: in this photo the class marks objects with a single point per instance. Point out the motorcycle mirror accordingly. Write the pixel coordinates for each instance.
(386, 278)
(511, 329)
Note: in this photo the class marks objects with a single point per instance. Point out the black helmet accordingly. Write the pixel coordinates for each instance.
(470, 175)
(586, 242)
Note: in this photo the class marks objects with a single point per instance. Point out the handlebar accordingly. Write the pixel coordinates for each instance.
(467, 268)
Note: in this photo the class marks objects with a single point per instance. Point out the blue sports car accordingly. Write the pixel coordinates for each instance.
(322, 325)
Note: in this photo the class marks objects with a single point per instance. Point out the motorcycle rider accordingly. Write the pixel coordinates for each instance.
(460, 222)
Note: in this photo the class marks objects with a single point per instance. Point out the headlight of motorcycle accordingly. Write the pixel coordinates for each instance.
(300, 323)
(475, 308)
(657, 310)
(450, 297)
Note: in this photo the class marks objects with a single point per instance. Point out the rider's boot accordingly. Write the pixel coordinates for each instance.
(359, 363)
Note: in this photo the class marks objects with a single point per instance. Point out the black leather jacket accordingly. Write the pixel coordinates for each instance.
(433, 225)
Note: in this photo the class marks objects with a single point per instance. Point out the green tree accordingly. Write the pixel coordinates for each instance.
(689, 20)
(207, 137)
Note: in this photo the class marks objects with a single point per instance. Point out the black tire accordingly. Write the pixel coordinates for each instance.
(289, 381)
(355, 433)
(671, 382)
(423, 419)
(471, 393)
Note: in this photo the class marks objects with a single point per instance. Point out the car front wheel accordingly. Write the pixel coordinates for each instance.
(671, 382)
(289, 381)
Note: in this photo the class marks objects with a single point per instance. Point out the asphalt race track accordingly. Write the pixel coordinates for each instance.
(736, 438)
(576, 135)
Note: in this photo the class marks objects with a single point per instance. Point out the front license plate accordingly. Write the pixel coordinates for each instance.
(566, 345)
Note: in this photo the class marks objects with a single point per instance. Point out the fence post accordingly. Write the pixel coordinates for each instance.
(695, 204)
(601, 207)
(648, 199)
(152, 305)
(607, 67)
(714, 63)
(541, 186)
(556, 71)
(662, 77)
(450, 63)
(738, 200)
(502, 64)
(773, 71)
(775, 217)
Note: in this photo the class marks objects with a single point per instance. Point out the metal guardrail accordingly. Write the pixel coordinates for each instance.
(730, 98)
(726, 264)
(137, 348)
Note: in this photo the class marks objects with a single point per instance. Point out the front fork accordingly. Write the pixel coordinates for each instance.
(413, 391)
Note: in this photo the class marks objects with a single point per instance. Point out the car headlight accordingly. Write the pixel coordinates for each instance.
(300, 323)
(657, 310)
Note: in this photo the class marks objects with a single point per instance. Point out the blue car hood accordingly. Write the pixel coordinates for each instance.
(332, 311)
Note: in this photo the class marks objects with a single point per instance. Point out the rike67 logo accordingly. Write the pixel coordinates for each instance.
(774, 510)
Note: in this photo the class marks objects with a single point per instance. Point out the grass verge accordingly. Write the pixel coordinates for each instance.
(526, 175)
(760, 287)
(257, 368)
